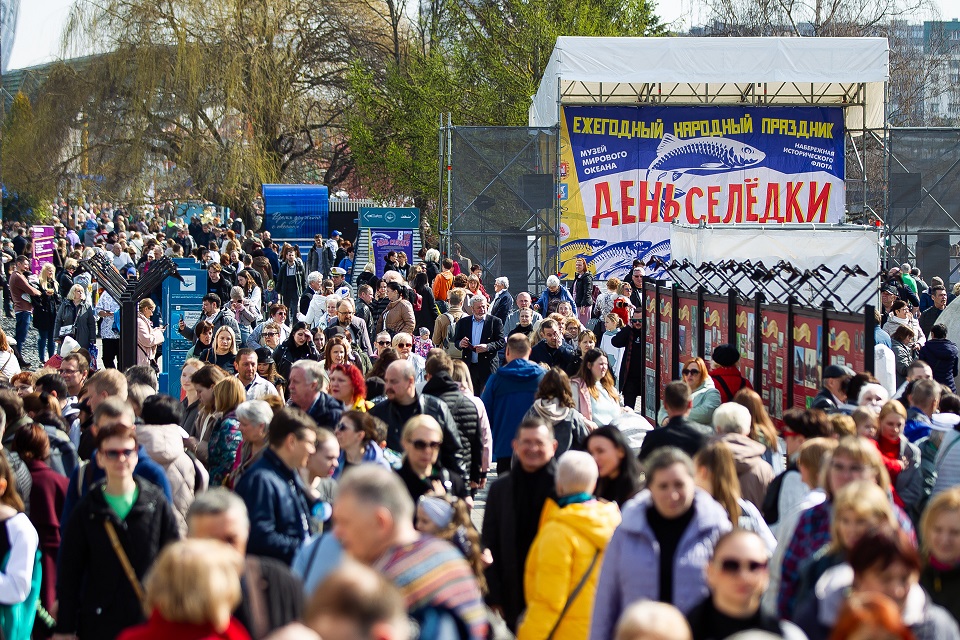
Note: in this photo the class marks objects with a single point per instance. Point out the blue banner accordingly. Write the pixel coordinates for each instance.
(628, 172)
(386, 240)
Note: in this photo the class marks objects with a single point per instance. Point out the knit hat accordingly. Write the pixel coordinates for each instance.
(725, 355)
(438, 510)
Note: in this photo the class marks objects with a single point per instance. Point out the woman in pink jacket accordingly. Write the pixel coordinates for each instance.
(148, 336)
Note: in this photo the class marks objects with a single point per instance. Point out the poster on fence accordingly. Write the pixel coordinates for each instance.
(774, 360)
(43, 247)
(627, 172)
(807, 353)
(668, 368)
(716, 323)
(846, 342)
(688, 327)
(746, 337)
(650, 398)
(386, 240)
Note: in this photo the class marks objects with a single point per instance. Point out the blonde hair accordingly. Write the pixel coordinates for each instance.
(613, 284)
(940, 504)
(892, 406)
(233, 338)
(146, 303)
(842, 424)
(651, 620)
(865, 500)
(195, 581)
(461, 374)
(862, 451)
(228, 394)
(814, 452)
(617, 320)
(424, 421)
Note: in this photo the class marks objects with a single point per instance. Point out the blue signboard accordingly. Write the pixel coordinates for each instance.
(180, 300)
(389, 218)
(295, 210)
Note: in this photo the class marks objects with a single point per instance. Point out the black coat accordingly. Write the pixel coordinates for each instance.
(491, 335)
(427, 316)
(453, 484)
(288, 353)
(583, 289)
(465, 417)
(678, 432)
(281, 591)
(451, 451)
(96, 598)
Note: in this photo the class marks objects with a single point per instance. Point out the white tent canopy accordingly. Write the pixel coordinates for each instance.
(699, 71)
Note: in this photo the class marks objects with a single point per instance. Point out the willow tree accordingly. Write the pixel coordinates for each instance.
(215, 96)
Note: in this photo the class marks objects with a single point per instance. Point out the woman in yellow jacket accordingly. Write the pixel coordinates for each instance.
(560, 578)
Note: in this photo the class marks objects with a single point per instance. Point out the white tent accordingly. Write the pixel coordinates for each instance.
(704, 71)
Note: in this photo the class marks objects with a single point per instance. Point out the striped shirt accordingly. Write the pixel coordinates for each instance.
(432, 573)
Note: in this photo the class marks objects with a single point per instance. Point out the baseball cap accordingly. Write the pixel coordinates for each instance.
(838, 371)
(335, 234)
(264, 355)
(889, 288)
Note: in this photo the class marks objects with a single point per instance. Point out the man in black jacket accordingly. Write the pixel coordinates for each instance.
(630, 339)
(480, 337)
(440, 384)
(678, 432)
(403, 402)
(219, 514)
(512, 516)
(551, 350)
(833, 393)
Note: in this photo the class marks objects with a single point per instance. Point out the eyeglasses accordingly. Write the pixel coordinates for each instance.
(114, 454)
(691, 372)
(733, 567)
(423, 445)
(383, 343)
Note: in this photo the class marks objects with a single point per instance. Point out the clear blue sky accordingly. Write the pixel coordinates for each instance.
(41, 22)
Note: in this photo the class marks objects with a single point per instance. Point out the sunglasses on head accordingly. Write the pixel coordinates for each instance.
(733, 567)
(423, 445)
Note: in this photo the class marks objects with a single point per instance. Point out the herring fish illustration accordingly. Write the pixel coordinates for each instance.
(581, 248)
(701, 156)
(616, 255)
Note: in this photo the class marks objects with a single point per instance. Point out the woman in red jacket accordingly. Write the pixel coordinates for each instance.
(190, 593)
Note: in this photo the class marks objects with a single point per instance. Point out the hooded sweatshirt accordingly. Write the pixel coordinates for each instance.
(164, 443)
(507, 397)
(569, 428)
(569, 540)
(754, 472)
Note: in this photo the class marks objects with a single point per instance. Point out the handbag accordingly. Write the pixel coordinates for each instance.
(124, 560)
(573, 595)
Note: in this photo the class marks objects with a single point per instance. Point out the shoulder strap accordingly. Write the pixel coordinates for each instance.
(726, 387)
(573, 595)
(258, 608)
(124, 560)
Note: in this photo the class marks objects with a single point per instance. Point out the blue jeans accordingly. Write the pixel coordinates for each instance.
(23, 327)
(45, 342)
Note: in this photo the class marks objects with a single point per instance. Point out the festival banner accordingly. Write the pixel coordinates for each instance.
(807, 352)
(44, 244)
(628, 172)
(387, 240)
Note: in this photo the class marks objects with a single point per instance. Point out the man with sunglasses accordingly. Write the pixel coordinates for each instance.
(630, 339)
(352, 324)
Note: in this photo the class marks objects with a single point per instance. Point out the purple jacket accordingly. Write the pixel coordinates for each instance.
(631, 564)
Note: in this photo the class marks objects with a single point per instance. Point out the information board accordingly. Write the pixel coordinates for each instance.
(773, 360)
(43, 246)
(716, 323)
(746, 339)
(807, 356)
(180, 300)
(387, 240)
(689, 327)
(846, 343)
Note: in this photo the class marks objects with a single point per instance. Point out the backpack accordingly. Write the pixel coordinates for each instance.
(418, 302)
(449, 346)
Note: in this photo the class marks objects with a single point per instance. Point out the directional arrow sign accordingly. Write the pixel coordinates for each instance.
(390, 217)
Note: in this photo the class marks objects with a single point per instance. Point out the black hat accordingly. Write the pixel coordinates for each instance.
(725, 355)
(838, 371)
(264, 355)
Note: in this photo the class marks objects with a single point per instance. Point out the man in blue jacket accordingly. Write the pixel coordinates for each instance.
(275, 495)
(507, 397)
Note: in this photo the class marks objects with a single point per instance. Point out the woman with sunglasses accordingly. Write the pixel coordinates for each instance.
(272, 335)
(704, 397)
(299, 346)
(357, 434)
(403, 343)
(420, 471)
(737, 575)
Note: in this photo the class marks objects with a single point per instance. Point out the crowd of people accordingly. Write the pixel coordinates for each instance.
(317, 476)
